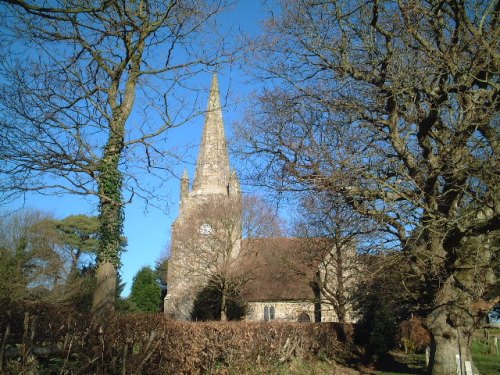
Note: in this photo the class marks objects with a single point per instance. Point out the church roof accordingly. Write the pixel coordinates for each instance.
(212, 168)
(278, 269)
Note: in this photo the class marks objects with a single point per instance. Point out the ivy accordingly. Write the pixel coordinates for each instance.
(111, 215)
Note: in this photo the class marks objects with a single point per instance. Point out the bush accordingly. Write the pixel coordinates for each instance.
(63, 341)
(413, 335)
(378, 328)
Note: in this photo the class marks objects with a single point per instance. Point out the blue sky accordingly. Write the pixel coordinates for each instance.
(148, 228)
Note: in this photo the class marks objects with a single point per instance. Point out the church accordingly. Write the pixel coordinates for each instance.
(276, 277)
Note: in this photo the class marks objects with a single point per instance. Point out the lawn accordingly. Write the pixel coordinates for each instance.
(486, 362)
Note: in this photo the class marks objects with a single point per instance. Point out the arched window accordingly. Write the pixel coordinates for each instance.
(304, 318)
(269, 313)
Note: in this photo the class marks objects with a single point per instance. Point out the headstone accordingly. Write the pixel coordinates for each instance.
(459, 367)
(468, 368)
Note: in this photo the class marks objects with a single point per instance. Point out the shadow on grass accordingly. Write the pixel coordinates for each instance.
(400, 363)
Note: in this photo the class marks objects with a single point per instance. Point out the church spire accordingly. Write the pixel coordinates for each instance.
(212, 170)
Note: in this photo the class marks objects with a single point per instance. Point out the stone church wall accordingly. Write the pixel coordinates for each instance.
(285, 311)
(288, 311)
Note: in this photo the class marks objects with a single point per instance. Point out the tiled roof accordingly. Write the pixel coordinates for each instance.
(278, 269)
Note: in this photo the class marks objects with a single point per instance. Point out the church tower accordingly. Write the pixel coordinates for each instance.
(206, 236)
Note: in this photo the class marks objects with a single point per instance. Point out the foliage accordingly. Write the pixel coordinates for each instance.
(28, 261)
(413, 336)
(41, 258)
(381, 301)
(379, 326)
(82, 301)
(208, 303)
(76, 343)
(76, 238)
(80, 233)
(145, 294)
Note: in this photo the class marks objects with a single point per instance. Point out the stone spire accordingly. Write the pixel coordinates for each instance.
(212, 170)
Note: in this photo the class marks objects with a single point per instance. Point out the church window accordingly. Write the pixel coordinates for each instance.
(304, 318)
(269, 313)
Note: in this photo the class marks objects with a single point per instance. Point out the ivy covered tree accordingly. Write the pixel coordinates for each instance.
(71, 74)
(146, 291)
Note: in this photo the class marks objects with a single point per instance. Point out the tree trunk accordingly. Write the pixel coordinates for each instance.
(105, 293)
(340, 310)
(111, 219)
(223, 306)
(452, 327)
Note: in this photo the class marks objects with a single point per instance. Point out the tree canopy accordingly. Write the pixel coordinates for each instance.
(146, 292)
(74, 74)
(393, 105)
(42, 257)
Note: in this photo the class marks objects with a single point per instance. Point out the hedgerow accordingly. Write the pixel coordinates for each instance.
(55, 339)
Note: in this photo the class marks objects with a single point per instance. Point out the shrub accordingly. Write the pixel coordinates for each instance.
(65, 341)
(413, 335)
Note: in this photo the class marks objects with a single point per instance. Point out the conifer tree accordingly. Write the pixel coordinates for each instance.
(146, 291)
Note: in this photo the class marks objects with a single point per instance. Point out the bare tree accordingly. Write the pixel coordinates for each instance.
(336, 234)
(394, 105)
(209, 243)
(260, 220)
(72, 74)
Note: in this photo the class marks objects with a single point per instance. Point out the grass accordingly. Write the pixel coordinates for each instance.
(400, 363)
(486, 362)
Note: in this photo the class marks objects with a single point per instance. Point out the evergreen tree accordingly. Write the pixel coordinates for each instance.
(146, 291)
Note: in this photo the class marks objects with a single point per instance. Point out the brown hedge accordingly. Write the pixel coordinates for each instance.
(62, 339)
